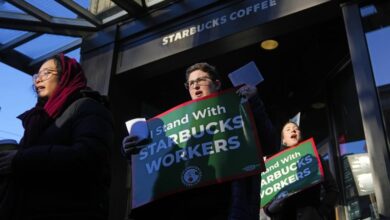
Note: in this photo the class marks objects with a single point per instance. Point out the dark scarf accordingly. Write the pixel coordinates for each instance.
(37, 119)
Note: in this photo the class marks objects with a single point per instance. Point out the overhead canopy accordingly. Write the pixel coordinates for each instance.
(34, 30)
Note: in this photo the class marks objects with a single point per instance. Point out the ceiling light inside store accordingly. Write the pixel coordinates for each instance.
(269, 44)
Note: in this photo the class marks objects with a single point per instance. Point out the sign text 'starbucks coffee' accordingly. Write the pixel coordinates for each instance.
(197, 143)
(291, 171)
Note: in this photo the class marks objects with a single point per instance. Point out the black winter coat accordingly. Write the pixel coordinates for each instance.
(66, 174)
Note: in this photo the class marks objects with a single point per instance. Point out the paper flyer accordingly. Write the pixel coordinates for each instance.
(138, 127)
(247, 74)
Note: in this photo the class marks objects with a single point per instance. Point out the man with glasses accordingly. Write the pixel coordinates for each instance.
(239, 199)
(202, 80)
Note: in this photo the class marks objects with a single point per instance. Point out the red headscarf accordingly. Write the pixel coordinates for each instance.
(36, 120)
(72, 80)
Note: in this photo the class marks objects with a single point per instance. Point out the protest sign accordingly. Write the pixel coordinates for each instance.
(198, 143)
(291, 171)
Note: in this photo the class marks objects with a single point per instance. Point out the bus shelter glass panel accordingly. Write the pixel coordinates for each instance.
(7, 35)
(7, 7)
(53, 8)
(51, 43)
(83, 3)
(74, 54)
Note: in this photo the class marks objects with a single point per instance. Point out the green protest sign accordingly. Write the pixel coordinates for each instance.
(198, 143)
(291, 171)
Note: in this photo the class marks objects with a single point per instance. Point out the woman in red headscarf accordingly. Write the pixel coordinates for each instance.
(60, 170)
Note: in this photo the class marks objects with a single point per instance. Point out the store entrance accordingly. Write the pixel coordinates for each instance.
(296, 75)
(297, 80)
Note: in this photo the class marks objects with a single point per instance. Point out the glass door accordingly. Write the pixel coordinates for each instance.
(374, 201)
(359, 200)
(376, 25)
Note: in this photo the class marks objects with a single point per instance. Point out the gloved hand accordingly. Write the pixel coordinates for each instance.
(247, 92)
(131, 145)
(276, 205)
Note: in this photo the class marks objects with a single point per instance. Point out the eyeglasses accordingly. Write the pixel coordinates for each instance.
(44, 75)
(201, 81)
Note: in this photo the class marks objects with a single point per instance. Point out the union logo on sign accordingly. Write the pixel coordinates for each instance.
(191, 176)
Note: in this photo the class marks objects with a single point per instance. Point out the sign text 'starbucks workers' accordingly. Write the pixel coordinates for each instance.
(197, 143)
(291, 171)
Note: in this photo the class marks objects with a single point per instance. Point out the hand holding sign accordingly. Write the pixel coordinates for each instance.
(290, 172)
(138, 132)
(129, 145)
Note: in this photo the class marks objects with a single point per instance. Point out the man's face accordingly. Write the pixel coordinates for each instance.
(200, 84)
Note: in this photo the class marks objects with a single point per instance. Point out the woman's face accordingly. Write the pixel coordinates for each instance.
(291, 134)
(46, 80)
(200, 84)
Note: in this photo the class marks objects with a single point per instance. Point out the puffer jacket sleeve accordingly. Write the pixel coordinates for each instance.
(82, 148)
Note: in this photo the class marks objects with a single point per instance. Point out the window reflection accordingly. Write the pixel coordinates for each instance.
(353, 147)
(358, 182)
(377, 28)
(358, 196)
(379, 48)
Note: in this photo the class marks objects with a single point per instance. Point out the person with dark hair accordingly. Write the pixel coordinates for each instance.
(308, 204)
(61, 167)
(206, 80)
(239, 199)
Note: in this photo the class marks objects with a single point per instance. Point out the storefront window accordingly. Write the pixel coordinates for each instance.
(376, 25)
(355, 166)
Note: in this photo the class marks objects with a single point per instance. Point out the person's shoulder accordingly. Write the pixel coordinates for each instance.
(88, 97)
(95, 95)
(85, 102)
(88, 103)
(85, 106)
